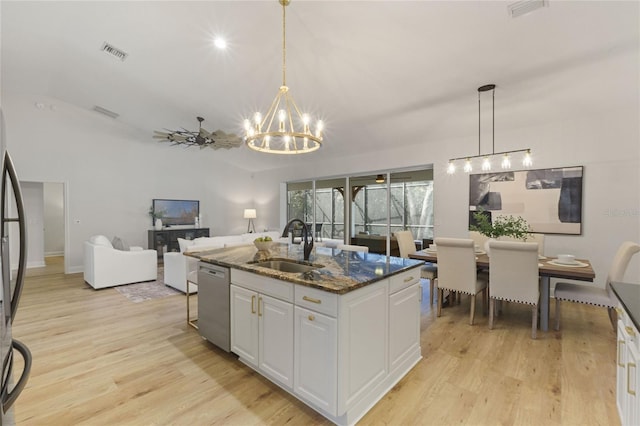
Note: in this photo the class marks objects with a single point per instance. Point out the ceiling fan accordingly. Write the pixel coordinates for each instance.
(201, 137)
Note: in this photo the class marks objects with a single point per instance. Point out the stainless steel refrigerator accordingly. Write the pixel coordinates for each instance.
(11, 201)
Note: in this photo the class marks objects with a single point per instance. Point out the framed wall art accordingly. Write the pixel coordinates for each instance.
(550, 200)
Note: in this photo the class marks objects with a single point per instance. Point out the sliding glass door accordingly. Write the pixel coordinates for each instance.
(376, 205)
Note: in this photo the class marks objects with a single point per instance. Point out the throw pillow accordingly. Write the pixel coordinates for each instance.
(185, 244)
(119, 244)
(100, 240)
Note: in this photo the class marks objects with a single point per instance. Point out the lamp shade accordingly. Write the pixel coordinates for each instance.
(250, 213)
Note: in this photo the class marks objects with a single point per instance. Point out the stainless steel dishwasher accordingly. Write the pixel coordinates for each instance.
(213, 305)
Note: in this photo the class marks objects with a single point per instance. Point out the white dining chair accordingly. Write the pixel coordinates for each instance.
(428, 271)
(537, 238)
(596, 296)
(352, 247)
(457, 271)
(514, 277)
(478, 239)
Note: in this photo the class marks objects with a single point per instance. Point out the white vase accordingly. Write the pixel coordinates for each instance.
(158, 224)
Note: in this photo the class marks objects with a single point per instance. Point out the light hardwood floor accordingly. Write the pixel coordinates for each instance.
(100, 359)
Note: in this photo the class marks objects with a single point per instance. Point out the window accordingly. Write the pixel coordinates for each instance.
(410, 205)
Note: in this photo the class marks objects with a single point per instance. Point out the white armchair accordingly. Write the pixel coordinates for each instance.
(105, 266)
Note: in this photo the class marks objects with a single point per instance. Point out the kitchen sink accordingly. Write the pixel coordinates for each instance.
(283, 265)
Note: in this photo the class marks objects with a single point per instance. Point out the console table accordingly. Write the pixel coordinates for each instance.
(157, 240)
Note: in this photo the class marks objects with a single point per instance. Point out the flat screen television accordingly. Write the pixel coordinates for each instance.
(177, 212)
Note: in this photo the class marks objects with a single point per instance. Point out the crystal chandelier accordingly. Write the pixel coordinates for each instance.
(283, 129)
(486, 158)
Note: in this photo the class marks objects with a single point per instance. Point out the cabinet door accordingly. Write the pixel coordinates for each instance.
(633, 400)
(363, 342)
(316, 359)
(621, 372)
(244, 324)
(276, 339)
(404, 325)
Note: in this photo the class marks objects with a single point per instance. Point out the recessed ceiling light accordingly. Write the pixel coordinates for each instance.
(220, 43)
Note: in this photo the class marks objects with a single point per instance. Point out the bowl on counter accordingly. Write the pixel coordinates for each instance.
(263, 245)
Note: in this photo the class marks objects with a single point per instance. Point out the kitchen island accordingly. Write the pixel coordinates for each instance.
(338, 336)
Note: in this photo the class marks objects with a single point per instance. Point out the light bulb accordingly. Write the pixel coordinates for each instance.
(486, 164)
(266, 141)
(467, 166)
(526, 161)
(319, 129)
(506, 163)
(282, 115)
(220, 43)
(247, 125)
(451, 168)
(257, 118)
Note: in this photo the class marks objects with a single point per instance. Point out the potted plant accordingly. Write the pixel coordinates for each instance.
(156, 217)
(502, 226)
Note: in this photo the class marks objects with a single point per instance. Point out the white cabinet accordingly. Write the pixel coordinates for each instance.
(275, 324)
(404, 325)
(627, 378)
(244, 324)
(633, 401)
(316, 361)
(362, 344)
(339, 353)
(262, 333)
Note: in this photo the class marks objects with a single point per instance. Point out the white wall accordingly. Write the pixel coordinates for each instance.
(113, 172)
(607, 145)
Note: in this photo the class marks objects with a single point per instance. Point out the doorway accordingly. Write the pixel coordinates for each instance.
(44, 204)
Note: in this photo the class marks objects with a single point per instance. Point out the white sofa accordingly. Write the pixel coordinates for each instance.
(178, 268)
(106, 266)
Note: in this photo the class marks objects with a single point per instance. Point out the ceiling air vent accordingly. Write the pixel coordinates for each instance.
(112, 50)
(525, 6)
(106, 112)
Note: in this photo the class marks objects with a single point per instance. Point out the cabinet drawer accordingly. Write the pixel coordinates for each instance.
(316, 300)
(404, 280)
(632, 335)
(266, 285)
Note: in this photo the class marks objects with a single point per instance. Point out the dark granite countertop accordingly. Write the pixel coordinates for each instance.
(629, 295)
(342, 271)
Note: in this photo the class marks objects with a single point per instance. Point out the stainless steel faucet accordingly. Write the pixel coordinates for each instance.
(306, 234)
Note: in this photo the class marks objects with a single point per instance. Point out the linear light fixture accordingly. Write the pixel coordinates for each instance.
(486, 158)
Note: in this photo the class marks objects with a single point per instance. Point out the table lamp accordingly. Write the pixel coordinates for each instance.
(250, 214)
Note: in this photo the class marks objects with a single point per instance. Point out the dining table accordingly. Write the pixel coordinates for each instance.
(548, 267)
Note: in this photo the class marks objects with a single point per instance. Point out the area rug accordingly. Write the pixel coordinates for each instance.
(140, 292)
